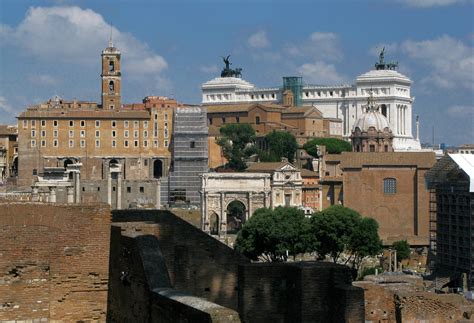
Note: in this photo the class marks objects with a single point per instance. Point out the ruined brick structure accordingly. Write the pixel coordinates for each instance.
(54, 262)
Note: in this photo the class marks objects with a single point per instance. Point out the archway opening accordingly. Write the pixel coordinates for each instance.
(113, 162)
(235, 216)
(157, 169)
(214, 224)
(15, 167)
(67, 162)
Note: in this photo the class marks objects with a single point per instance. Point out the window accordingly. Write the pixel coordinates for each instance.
(97, 143)
(155, 143)
(142, 189)
(210, 121)
(145, 143)
(389, 185)
(166, 143)
(71, 133)
(114, 133)
(114, 124)
(166, 115)
(111, 86)
(192, 144)
(257, 120)
(135, 134)
(145, 162)
(71, 143)
(97, 133)
(125, 133)
(114, 143)
(33, 133)
(83, 123)
(55, 123)
(135, 143)
(55, 143)
(145, 124)
(237, 119)
(25, 124)
(35, 171)
(71, 123)
(145, 134)
(43, 123)
(156, 116)
(97, 123)
(83, 134)
(43, 133)
(331, 93)
(125, 124)
(372, 148)
(166, 133)
(33, 143)
(166, 124)
(33, 123)
(129, 189)
(135, 124)
(83, 143)
(386, 148)
(111, 66)
(223, 120)
(43, 143)
(125, 143)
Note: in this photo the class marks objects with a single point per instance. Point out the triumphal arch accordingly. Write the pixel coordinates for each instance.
(230, 198)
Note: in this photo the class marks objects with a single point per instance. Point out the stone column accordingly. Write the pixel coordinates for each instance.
(223, 221)
(158, 195)
(70, 194)
(109, 188)
(34, 194)
(52, 194)
(78, 187)
(119, 191)
(395, 264)
(250, 210)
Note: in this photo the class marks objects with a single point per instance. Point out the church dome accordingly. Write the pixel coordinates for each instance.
(372, 118)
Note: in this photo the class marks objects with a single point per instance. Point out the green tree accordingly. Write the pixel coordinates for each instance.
(403, 249)
(280, 144)
(273, 235)
(338, 229)
(333, 146)
(237, 141)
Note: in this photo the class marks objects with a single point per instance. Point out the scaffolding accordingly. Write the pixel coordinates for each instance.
(295, 85)
(190, 155)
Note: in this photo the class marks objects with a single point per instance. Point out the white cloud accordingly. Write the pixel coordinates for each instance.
(258, 40)
(450, 61)
(4, 106)
(460, 111)
(319, 45)
(43, 79)
(321, 72)
(72, 34)
(209, 69)
(431, 3)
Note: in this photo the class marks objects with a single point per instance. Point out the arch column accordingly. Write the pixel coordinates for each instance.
(222, 228)
(70, 194)
(52, 194)
(249, 203)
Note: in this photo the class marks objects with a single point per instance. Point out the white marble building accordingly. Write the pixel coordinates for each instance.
(390, 88)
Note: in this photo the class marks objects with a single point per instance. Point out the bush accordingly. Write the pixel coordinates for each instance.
(333, 146)
(403, 249)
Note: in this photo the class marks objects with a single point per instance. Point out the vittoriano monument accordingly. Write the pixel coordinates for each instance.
(381, 65)
(227, 71)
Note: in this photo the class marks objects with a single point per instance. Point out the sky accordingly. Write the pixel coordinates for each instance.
(170, 48)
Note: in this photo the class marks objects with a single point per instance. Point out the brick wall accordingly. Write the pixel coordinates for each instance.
(54, 261)
(299, 292)
(197, 263)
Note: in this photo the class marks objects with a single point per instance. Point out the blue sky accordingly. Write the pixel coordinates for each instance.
(172, 47)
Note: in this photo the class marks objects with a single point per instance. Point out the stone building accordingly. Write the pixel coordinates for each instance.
(311, 190)
(343, 102)
(135, 136)
(372, 131)
(452, 182)
(8, 152)
(388, 187)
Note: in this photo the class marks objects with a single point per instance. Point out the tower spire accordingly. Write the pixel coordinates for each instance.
(111, 43)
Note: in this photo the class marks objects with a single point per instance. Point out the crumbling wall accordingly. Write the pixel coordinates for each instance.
(54, 261)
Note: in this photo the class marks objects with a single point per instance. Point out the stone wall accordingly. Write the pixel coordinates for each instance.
(197, 263)
(54, 261)
(299, 292)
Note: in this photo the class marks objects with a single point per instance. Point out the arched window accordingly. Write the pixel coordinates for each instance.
(257, 120)
(111, 66)
(389, 185)
(111, 86)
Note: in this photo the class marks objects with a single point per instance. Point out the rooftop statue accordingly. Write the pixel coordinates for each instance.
(381, 65)
(229, 72)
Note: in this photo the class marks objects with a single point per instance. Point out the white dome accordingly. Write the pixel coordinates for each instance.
(372, 118)
(382, 75)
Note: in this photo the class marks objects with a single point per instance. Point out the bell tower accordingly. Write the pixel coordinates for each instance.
(111, 77)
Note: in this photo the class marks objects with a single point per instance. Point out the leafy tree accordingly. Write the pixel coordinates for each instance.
(338, 229)
(280, 144)
(403, 249)
(333, 146)
(273, 235)
(332, 229)
(236, 141)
